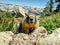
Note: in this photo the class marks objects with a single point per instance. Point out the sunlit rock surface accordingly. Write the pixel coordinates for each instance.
(38, 37)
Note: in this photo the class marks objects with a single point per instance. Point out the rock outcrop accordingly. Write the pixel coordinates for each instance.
(52, 39)
(5, 37)
(31, 39)
(38, 37)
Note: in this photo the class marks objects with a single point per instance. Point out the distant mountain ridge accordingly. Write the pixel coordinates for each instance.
(15, 8)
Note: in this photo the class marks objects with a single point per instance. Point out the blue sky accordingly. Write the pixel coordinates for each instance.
(34, 3)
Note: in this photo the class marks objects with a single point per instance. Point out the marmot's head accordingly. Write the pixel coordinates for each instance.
(31, 19)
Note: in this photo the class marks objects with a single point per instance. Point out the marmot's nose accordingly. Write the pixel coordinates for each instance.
(31, 19)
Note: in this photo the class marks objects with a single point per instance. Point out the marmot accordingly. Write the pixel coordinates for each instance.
(28, 24)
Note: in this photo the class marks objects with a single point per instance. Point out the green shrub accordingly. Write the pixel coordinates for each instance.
(50, 22)
(6, 24)
(49, 25)
(8, 14)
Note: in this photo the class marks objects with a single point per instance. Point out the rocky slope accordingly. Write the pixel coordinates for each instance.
(38, 37)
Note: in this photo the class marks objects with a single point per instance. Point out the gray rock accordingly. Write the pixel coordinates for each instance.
(5, 37)
(52, 39)
(38, 37)
(31, 39)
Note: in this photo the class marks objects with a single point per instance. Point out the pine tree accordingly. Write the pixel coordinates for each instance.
(51, 5)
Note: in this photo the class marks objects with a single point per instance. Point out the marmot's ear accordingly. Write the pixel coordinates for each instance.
(26, 14)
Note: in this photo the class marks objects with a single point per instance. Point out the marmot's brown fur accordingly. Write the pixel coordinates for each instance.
(28, 24)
